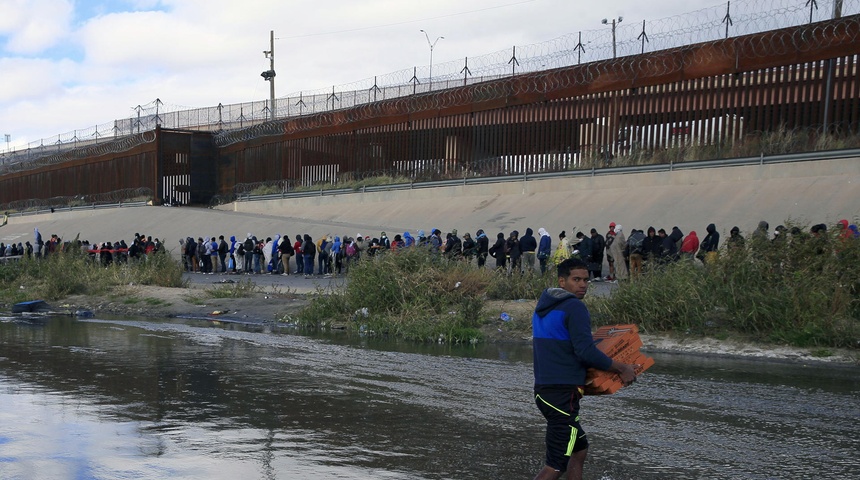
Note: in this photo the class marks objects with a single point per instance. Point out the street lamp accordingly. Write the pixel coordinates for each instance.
(614, 22)
(431, 45)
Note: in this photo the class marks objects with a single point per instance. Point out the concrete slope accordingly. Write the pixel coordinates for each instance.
(808, 192)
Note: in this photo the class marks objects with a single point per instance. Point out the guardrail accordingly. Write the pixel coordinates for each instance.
(99, 206)
(593, 172)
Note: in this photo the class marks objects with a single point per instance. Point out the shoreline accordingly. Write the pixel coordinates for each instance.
(275, 298)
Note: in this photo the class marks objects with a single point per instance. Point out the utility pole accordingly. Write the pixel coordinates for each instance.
(269, 75)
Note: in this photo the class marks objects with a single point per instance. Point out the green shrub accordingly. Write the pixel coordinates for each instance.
(415, 295)
(73, 272)
(800, 290)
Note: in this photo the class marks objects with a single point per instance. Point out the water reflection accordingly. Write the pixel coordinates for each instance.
(112, 398)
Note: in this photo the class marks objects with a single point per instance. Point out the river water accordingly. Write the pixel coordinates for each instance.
(164, 398)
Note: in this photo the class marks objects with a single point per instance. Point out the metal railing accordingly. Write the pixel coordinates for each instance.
(130, 197)
(244, 193)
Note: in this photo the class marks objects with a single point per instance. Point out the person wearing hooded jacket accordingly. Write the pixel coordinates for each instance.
(544, 249)
(285, 250)
(677, 236)
(233, 245)
(616, 252)
(710, 244)
(564, 349)
(309, 251)
(497, 251)
(483, 247)
(690, 245)
(528, 248)
(513, 252)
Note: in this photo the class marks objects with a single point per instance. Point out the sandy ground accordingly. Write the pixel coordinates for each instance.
(274, 298)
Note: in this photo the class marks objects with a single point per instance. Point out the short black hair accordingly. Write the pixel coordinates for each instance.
(569, 264)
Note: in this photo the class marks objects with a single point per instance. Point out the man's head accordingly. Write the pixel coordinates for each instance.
(573, 276)
(661, 233)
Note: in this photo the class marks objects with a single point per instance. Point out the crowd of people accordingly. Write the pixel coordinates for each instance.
(619, 255)
(103, 252)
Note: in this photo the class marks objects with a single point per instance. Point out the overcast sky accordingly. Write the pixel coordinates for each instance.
(67, 65)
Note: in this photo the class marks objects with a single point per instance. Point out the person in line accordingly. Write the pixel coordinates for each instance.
(564, 350)
(528, 247)
(248, 246)
(285, 249)
(562, 252)
(309, 252)
(598, 246)
(297, 250)
(497, 251)
(483, 247)
(708, 247)
(223, 248)
(469, 247)
(513, 253)
(690, 246)
(544, 249)
(233, 245)
(615, 254)
(636, 252)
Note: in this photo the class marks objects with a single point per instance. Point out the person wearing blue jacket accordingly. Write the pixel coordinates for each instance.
(564, 350)
(544, 250)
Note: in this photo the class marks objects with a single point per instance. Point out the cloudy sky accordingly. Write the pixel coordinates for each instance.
(68, 65)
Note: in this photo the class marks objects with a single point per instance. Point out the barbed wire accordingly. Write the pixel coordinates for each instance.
(726, 20)
(107, 198)
(120, 145)
(844, 31)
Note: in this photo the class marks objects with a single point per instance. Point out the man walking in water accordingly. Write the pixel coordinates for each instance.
(563, 351)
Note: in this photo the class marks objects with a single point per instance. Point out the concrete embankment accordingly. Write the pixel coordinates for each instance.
(821, 191)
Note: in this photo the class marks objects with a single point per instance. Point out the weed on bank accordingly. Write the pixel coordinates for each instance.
(800, 290)
(417, 295)
(74, 273)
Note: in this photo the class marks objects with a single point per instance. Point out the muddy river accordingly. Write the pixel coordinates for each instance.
(163, 398)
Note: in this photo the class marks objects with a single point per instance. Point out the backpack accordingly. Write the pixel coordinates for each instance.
(249, 245)
(634, 243)
(350, 250)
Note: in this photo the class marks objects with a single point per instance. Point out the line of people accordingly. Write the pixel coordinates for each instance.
(332, 255)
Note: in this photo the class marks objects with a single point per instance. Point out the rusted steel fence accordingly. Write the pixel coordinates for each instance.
(711, 100)
(717, 99)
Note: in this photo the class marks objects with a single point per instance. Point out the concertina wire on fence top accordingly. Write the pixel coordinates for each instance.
(834, 33)
(238, 122)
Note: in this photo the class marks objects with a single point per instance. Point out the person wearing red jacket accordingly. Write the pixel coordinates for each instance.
(690, 246)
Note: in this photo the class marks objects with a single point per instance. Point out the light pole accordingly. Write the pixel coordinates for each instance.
(431, 45)
(615, 21)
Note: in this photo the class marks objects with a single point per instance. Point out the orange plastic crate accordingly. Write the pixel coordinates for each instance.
(621, 343)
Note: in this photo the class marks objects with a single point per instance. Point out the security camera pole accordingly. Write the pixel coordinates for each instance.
(614, 22)
(269, 75)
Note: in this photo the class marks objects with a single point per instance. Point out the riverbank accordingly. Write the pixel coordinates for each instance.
(273, 299)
